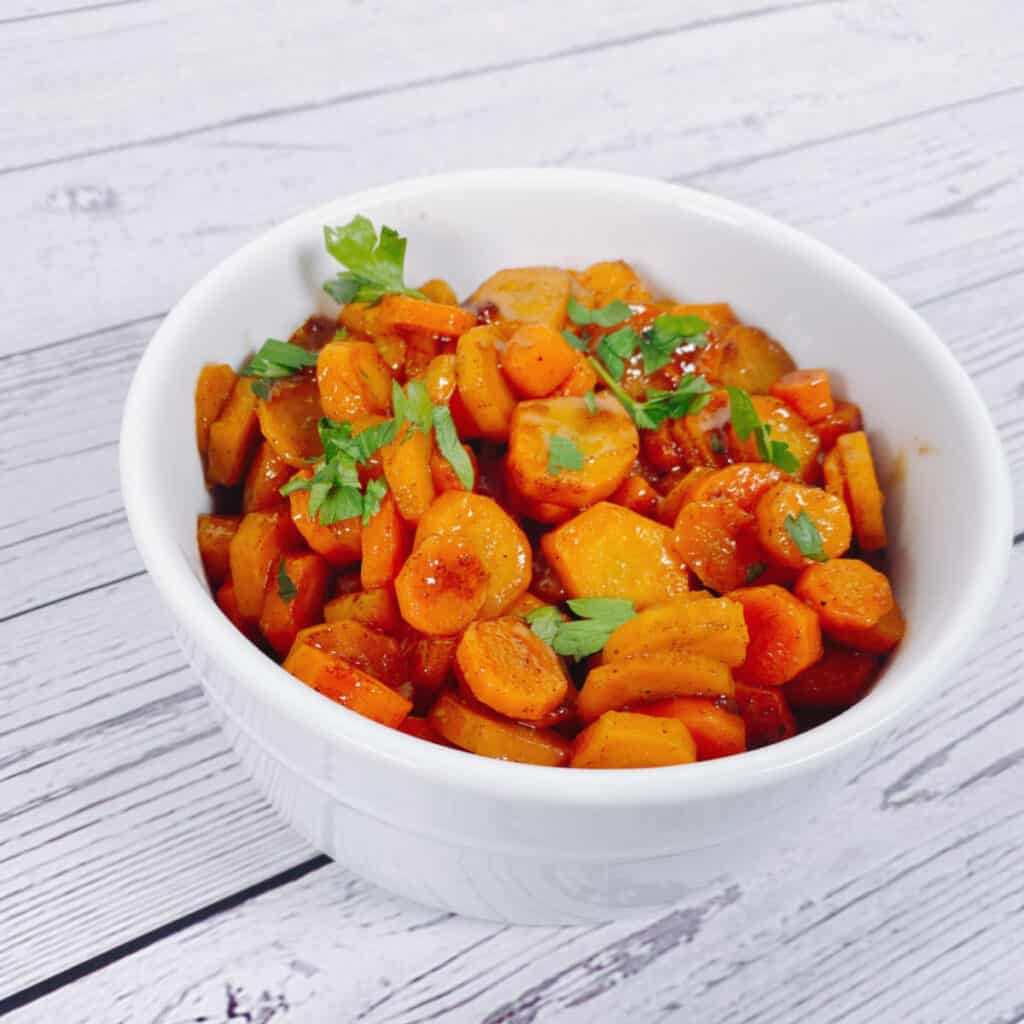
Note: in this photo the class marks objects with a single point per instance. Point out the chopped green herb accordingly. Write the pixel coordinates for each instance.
(755, 572)
(413, 405)
(590, 402)
(745, 421)
(607, 316)
(277, 359)
(575, 340)
(563, 453)
(599, 617)
(666, 334)
(375, 491)
(285, 588)
(715, 442)
(805, 536)
(369, 441)
(615, 348)
(261, 389)
(375, 267)
(449, 446)
(544, 621)
(690, 396)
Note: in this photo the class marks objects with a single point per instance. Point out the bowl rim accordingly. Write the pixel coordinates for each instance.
(194, 609)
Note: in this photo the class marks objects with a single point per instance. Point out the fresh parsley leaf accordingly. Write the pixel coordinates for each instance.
(590, 402)
(745, 421)
(608, 609)
(413, 405)
(691, 395)
(448, 445)
(563, 453)
(376, 267)
(805, 536)
(261, 389)
(715, 442)
(575, 340)
(615, 348)
(599, 618)
(369, 441)
(607, 316)
(754, 572)
(337, 505)
(375, 491)
(336, 439)
(277, 359)
(544, 621)
(285, 588)
(666, 334)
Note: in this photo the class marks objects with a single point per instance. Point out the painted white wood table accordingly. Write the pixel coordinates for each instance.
(142, 878)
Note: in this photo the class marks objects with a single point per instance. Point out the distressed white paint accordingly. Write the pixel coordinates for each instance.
(893, 131)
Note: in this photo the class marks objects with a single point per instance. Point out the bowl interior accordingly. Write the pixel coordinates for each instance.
(935, 446)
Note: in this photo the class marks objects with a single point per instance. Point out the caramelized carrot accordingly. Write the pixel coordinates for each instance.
(638, 495)
(742, 483)
(787, 426)
(233, 436)
(766, 715)
(386, 541)
(609, 280)
(442, 586)
(785, 637)
(784, 504)
(213, 535)
(844, 419)
(680, 493)
(378, 654)
(838, 680)
(531, 295)
(287, 611)
(267, 474)
(482, 732)
(581, 379)
(719, 316)
(403, 313)
(485, 393)
(536, 359)
(621, 739)
(340, 543)
(808, 392)
(880, 638)
(745, 357)
(353, 380)
(444, 476)
(431, 662)
(832, 471)
(289, 418)
(377, 609)
(512, 671)
(406, 464)
(439, 290)
(213, 388)
(256, 548)
(846, 593)
(440, 378)
(718, 542)
(715, 731)
(701, 437)
(642, 680)
(422, 730)
(227, 601)
(862, 491)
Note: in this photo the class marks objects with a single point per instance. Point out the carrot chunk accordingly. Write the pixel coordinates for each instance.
(437, 289)
(641, 680)
(880, 638)
(536, 360)
(441, 380)
(482, 732)
(485, 393)
(844, 419)
(233, 436)
(386, 541)
(422, 730)
(742, 483)
(406, 464)
(786, 425)
(715, 731)
(680, 493)
(256, 548)
(581, 379)
(838, 680)
(846, 593)
(340, 543)
(213, 388)
(621, 739)
(213, 535)
(353, 380)
(745, 357)
(442, 587)
(377, 609)
(531, 295)
(638, 495)
(403, 313)
(289, 417)
(808, 392)
(718, 541)
(512, 671)
(431, 662)
(862, 491)
(376, 653)
(267, 474)
(766, 715)
(443, 474)
(785, 637)
(609, 280)
(784, 503)
(287, 611)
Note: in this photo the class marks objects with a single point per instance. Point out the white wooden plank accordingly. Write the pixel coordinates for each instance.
(903, 903)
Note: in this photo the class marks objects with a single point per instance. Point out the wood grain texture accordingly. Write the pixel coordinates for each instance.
(893, 132)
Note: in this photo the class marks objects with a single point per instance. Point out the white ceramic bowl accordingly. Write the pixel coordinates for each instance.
(529, 844)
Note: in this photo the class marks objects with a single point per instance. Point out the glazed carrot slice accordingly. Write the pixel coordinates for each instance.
(808, 392)
(609, 280)
(346, 684)
(742, 483)
(511, 670)
(846, 593)
(536, 359)
(844, 419)
(701, 438)
(289, 418)
(482, 386)
(482, 732)
(785, 502)
(444, 476)
(786, 425)
(340, 543)
(862, 491)
(718, 541)
(422, 730)
(213, 535)
(404, 313)
(638, 495)
(213, 388)
(377, 609)
(713, 627)
(439, 290)
(256, 548)
(785, 637)
(227, 601)
(719, 316)
(609, 551)
(440, 378)
(604, 441)
(386, 541)
(680, 493)
(715, 731)
(353, 380)
(880, 638)
(443, 585)
(621, 739)
(641, 680)
(406, 464)
(382, 656)
(838, 680)
(745, 357)
(581, 379)
(832, 471)
(531, 295)
(233, 436)
(431, 662)
(766, 715)
(492, 535)
(287, 611)
(267, 474)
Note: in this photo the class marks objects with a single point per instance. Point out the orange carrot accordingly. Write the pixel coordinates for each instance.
(531, 295)
(784, 504)
(638, 495)
(256, 548)
(213, 388)
(297, 605)
(386, 541)
(745, 357)
(785, 637)
(808, 392)
(718, 542)
(431, 662)
(536, 360)
(444, 476)
(485, 393)
(838, 680)
(213, 535)
(716, 731)
(880, 638)
(680, 493)
(742, 483)
(863, 494)
(377, 609)
(403, 313)
(370, 651)
(353, 380)
(787, 426)
(439, 290)
(846, 593)
(442, 586)
(233, 436)
(620, 739)
(844, 419)
(340, 543)
(267, 474)
(581, 379)
(766, 715)
(289, 417)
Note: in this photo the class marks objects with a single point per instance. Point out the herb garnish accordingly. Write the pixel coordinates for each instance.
(449, 446)
(690, 396)
(754, 572)
(563, 453)
(745, 421)
(276, 359)
(375, 267)
(666, 334)
(575, 340)
(590, 402)
(615, 348)
(286, 590)
(804, 534)
(606, 316)
(599, 617)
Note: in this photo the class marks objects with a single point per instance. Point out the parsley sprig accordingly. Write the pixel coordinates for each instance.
(805, 535)
(599, 617)
(563, 453)
(692, 393)
(669, 330)
(605, 316)
(275, 360)
(376, 267)
(286, 589)
(745, 421)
